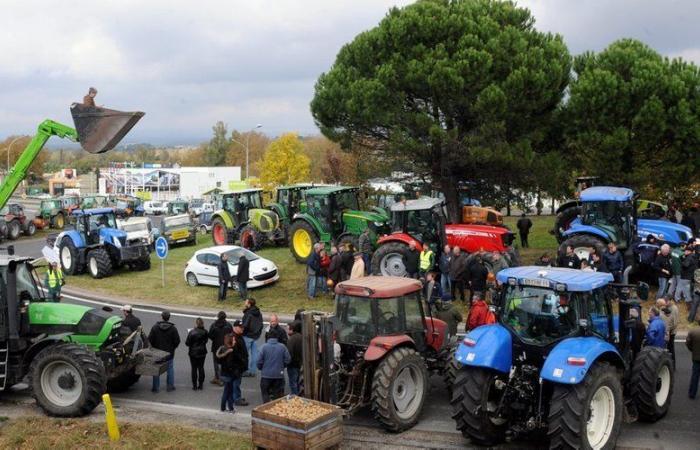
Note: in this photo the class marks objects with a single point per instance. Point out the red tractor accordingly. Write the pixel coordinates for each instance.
(17, 222)
(423, 222)
(387, 345)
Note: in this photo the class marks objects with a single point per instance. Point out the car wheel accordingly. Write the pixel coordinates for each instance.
(192, 279)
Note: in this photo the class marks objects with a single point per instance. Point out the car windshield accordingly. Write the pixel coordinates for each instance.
(156, 204)
(102, 221)
(176, 222)
(539, 316)
(235, 255)
(347, 200)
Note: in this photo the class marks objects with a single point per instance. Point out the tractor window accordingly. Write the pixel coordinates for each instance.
(539, 316)
(98, 221)
(389, 317)
(598, 313)
(255, 200)
(26, 285)
(601, 213)
(414, 315)
(355, 323)
(229, 204)
(346, 200)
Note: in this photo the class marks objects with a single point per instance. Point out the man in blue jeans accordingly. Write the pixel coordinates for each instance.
(164, 336)
(313, 271)
(692, 341)
(252, 329)
(294, 345)
(274, 357)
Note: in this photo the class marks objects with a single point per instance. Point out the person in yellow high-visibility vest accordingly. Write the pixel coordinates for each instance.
(427, 261)
(54, 281)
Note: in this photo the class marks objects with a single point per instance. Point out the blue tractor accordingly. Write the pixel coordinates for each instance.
(559, 362)
(609, 214)
(98, 246)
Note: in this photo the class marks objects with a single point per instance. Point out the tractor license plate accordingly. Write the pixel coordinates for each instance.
(180, 234)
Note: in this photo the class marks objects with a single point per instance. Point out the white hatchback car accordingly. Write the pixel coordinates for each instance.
(202, 268)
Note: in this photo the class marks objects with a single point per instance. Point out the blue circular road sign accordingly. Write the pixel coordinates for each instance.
(161, 247)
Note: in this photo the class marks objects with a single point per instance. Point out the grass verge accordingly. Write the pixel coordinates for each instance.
(58, 434)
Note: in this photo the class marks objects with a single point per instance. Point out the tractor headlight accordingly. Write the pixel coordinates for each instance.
(378, 224)
(560, 287)
(116, 242)
(511, 281)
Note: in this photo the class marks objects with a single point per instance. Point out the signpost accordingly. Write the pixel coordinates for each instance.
(162, 253)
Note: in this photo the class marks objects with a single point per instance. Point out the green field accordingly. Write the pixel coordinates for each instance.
(285, 296)
(540, 240)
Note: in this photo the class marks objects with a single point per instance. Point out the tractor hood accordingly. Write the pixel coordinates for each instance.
(112, 234)
(56, 313)
(664, 230)
(367, 216)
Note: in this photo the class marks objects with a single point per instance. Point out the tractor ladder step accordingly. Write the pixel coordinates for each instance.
(4, 358)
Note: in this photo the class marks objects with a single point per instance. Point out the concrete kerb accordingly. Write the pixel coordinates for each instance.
(203, 312)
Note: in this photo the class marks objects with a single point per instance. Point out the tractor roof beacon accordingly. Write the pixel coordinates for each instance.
(558, 361)
(388, 348)
(244, 218)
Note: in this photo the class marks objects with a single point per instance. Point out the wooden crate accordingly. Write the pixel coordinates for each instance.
(274, 432)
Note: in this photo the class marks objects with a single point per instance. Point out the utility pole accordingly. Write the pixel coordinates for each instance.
(247, 149)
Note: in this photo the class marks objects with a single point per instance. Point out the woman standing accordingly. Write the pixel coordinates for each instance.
(227, 358)
(197, 340)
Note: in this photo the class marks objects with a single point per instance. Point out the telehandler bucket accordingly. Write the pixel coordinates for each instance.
(101, 129)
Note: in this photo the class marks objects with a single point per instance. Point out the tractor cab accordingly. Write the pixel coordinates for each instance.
(50, 207)
(70, 203)
(288, 199)
(239, 203)
(178, 206)
(129, 206)
(89, 224)
(423, 219)
(328, 205)
(583, 183)
(94, 201)
(611, 210)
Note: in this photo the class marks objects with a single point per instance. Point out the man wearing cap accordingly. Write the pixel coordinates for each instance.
(130, 320)
(89, 99)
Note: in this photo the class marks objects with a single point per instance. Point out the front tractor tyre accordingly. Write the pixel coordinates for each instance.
(389, 259)
(399, 387)
(58, 221)
(30, 229)
(587, 415)
(651, 385)
(69, 257)
(220, 234)
(13, 230)
(67, 380)
(251, 238)
(476, 396)
(563, 221)
(302, 239)
(99, 263)
(582, 244)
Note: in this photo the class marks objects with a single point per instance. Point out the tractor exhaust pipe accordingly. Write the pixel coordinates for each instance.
(101, 129)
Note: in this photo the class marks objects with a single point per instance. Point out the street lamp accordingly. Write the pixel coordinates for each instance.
(9, 147)
(247, 148)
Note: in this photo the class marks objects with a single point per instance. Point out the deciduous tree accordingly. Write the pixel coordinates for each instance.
(284, 162)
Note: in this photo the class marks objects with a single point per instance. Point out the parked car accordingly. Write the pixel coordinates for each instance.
(179, 229)
(198, 206)
(204, 222)
(155, 208)
(202, 267)
(139, 227)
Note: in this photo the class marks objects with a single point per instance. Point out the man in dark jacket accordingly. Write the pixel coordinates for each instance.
(224, 277)
(570, 259)
(613, 262)
(334, 270)
(313, 269)
(130, 320)
(294, 345)
(196, 340)
(346, 262)
(365, 244)
(242, 276)
(524, 224)
(689, 263)
(220, 328)
(412, 260)
(252, 329)
(444, 267)
(276, 331)
(478, 273)
(692, 341)
(449, 313)
(662, 265)
(458, 272)
(274, 357)
(164, 336)
(241, 363)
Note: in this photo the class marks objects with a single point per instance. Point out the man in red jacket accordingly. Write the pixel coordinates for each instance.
(479, 313)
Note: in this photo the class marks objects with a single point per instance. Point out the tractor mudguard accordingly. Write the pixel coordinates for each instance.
(568, 204)
(578, 228)
(74, 236)
(399, 237)
(38, 346)
(381, 345)
(570, 360)
(489, 346)
(225, 216)
(669, 232)
(324, 235)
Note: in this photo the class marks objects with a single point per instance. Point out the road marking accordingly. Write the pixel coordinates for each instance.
(171, 406)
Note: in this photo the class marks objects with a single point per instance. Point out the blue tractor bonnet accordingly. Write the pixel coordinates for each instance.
(94, 211)
(606, 194)
(549, 277)
(108, 233)
(663, 230)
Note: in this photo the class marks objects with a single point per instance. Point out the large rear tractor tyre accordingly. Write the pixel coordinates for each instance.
(99, 264)
(651, 385)
(302, 239)
(31, 228)
(58, 221)
(69, 256)
(582, 244)
(475, 399)
(13, 230)
(67, 380)
(449, 375)
(563, 221)
(399, 387)
(587, 415)
(389, 259)
(251, 238)
(219, 233)
(123, 381)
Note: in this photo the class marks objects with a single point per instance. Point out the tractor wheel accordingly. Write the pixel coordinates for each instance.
(13, 230)
(563, 221)
(69, 256)
(99, 264)
(349, 239)
(251, 238)
(389, 259)
(142, 264)
(58, 221)
(450, 373)
(123, 381)
(582, 244)
(219, 233)
(399, 387)
(67, 380)
(31, 228)
(475, 399)
(587, 415)
(651, 385)
(302, 239)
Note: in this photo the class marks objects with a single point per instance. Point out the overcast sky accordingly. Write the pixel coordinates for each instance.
(189, 64)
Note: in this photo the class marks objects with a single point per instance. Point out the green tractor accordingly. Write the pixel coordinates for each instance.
(244, 218)
(288, 201)
(51, 214)
(331, 214)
